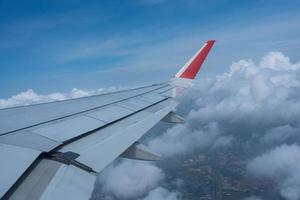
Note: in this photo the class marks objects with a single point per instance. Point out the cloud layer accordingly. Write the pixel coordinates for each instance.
(282, 164)
(250, 101)
(130, 180)
(255, 106)
(127, 179)
(31, 97)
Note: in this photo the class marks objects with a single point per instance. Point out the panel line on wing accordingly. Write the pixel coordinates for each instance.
(106, 125)
(114, 102)
(31, 105)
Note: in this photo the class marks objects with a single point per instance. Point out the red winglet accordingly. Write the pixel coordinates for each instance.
(191, 68)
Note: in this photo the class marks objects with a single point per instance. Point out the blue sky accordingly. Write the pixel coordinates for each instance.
(57, 45)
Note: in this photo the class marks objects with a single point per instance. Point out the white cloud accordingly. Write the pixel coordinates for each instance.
(279, 134)
(31, 97)
(131, 180)
(223, 141)
(128, 179)
(77, 93)
(258, 103)
(161, 194)
(278, 61)
(283, 165)
(185, 138)
(253, 198)
(248, 96)
(287, 80)
(248, 91)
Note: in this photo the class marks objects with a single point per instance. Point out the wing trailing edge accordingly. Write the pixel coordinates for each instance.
(138, 151)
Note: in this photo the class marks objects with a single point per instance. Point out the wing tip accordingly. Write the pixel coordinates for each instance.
(211, 41)
(191, 68)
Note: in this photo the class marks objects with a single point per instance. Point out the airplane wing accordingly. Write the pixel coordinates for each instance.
(54, 150)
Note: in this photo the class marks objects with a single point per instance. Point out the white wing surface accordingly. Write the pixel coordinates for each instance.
(54, 150)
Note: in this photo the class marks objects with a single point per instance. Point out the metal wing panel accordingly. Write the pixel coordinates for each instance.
(53, 180)
(134, 104)
(14, 162)
(110, 128)
(29, 140)
(101, 135)
(37, 181)
(164, 89)
(169, 93)
(46, 112)
(70, 183)
(102, 147)
(152, 97)
(110, 113)
(43, 113)
(68, 129)
(49, 135)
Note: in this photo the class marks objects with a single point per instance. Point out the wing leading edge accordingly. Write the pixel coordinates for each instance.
(54, 150)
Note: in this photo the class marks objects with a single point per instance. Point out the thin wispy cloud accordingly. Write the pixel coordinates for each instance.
(79, 41)
(167, 52)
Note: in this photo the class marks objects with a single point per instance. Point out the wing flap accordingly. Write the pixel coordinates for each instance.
(53, 180)
(70, 182)
(14, 162)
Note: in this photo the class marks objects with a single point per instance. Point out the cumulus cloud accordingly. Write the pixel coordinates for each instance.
(280, 134)
(161, 194)
(185, 138)
(248, 96)
(132, 180)
(283, 165)
(254, 105)
(253, 198)
(278, 61)
(28, 97)
(250, 99)
(31, 97)
(128, 180)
